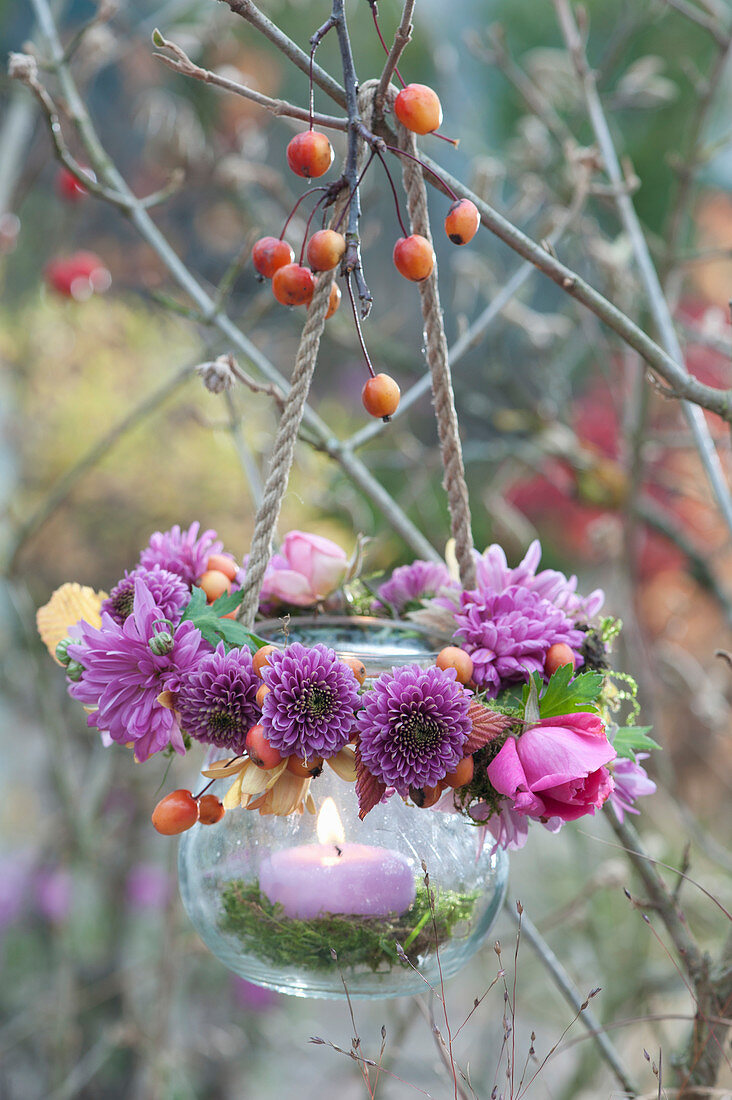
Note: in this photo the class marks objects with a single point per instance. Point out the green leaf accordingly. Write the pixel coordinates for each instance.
(207, 618)
(565, 695)
(532, 711)
(196, 605)
(632, 739)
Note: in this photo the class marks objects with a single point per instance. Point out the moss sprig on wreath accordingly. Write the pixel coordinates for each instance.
(358, 941)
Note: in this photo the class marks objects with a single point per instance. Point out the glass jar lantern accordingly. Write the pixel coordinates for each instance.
(274, 897)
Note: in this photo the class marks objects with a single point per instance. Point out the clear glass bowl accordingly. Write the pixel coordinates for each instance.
(272, 901)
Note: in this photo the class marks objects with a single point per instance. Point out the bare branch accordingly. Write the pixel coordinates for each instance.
(249, 11)
(401, 39)
(710, 24)
(181, 63)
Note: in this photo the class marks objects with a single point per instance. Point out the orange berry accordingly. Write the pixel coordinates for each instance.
(557, 656)
(293, 285)
(310, 154)
(261, 658)
(325, 249)
(260, 751)
(462, 221)
(334, 301)
(270, 254)
(224, 565)
(214, 583)
(357, 667)
(380, 396)
(454, 657)
(424, 797)
(262, 690)
(210, 809)
(305, 769)
(418, 109)
(175, 813)
(463, 773)
(414, 257)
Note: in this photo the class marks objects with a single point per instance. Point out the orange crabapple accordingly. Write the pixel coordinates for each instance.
(310, 154)
(325, 249)
(414, 257)
(270, 254)
(418, 109)
(293, 285)
(454, 657)
(261, 658)
(462, 774)
(334, 301)
(462, 221)
(214, 583)
(557, 656)
(261, 753)
(380, 396)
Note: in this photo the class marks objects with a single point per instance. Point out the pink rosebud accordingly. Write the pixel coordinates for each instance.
(307, 569)
(555, 768)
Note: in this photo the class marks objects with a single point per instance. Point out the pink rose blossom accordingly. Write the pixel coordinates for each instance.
(307, 569)
(555, 769)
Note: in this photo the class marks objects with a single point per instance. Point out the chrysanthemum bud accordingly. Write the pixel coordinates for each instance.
(74, 671)
(161, 643)
(62, 655)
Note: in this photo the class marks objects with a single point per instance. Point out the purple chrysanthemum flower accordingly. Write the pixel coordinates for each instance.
(631, 782)
(409, 584)
(310, 707)
(181, 552)
(122, 676)
(169, 592)
(508, 633)
(494, 573)
(217, 699)
(413, 726)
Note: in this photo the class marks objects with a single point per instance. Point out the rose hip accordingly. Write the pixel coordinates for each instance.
(210, 809)
(214, 583)
(175, 813)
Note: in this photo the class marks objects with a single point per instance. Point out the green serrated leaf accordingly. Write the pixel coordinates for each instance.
(564, 695)
(226, 603)
(632, 739)
(196, 605)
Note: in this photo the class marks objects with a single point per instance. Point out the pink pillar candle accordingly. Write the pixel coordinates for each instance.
(351, 879)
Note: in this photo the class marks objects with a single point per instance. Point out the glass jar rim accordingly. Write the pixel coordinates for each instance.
(403, 627)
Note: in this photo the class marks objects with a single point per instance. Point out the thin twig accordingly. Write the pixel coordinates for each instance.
(683, 7)
(654, 292)
(566, 987)
(181, 63)
(146, 227)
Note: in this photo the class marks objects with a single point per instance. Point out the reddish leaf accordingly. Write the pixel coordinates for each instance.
(369, 789)
(487, 725)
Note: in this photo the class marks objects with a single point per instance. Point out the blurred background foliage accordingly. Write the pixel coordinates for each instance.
(106, 990)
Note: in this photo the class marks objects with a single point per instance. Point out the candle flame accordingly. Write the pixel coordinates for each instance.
(329, 826)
